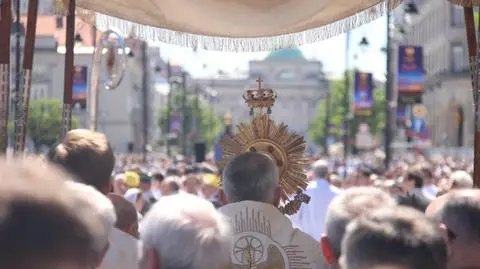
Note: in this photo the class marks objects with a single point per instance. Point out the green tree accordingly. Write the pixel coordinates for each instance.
(45, 122)
(209, 124)
(376, 120)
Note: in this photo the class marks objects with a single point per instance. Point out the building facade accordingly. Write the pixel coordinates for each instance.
(440, 29)
(120, 112)
(300, 84)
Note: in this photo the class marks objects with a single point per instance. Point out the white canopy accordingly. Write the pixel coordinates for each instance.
(235, 25)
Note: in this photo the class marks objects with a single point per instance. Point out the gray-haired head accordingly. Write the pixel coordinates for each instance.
(461, 215)
(250, 176)
(401, 237)
(320, 168)
(349, 205)
(185, 232)
(461, 180)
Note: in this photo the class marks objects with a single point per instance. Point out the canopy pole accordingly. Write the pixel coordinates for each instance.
(68, 75)
(472, 53)
(5, 26)
(28, 52)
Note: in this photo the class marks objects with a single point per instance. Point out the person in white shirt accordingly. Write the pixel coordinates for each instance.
(311, 217)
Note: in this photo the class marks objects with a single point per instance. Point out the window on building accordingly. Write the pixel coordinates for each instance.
(286, 74)
(457, 16)
(459, 58)
(59, 22)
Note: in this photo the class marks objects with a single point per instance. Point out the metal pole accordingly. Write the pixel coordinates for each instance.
(18, 76)
(184, 110)
(197, 117)
(346, 98)
(169, 108)
(327, 123)
(68, 75)
(5, 22)
(145, 94)
(388, 97)
(29, 48)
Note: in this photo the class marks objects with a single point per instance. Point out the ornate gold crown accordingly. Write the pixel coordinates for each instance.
(264, 135)
(260, 98)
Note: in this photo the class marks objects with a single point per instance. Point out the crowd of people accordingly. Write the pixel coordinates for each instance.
(82, 206)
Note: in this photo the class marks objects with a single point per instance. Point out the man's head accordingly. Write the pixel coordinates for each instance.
(184, 232)
(343, 209)
(169, 186)
(127, 217)
(459, 214)
(413, 178)
(427, 171)
(251, 176)
(87, 155)
(398, 237)
(44, 223)
(157, 180)
(320, 169)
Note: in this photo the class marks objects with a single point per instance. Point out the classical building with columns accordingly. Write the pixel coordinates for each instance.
(299, 82)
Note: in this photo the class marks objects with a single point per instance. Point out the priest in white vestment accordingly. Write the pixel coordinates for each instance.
(311, 217)
(262, 236)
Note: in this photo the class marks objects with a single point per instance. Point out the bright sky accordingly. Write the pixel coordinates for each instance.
(331, 52)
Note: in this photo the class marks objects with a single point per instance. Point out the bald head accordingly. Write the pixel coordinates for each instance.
(127, 218)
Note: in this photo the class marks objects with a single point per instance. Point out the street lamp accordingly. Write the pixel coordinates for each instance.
(364, 42)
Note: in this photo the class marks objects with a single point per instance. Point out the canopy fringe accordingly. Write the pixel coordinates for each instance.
(256, 44)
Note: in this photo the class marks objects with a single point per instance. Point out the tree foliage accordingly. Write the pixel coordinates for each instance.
(376, 121)
(208, 123)
(44, 122)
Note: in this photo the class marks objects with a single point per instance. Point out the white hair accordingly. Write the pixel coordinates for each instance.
(349, 205)
(461, 179)
(187, 233)
(101, 206)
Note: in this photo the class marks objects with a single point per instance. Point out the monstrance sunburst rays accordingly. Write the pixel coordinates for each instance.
(266, 136)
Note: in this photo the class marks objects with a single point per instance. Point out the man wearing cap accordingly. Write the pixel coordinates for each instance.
(210, 187)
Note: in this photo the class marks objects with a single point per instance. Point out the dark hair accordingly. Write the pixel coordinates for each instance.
(158, 177)
(426, 169)
(42, 222)
(415, 174)
(87, 155)
(395, 236)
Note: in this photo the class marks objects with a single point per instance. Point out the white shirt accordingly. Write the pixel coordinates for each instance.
(311, 217)
(122, 252)
(430, 191)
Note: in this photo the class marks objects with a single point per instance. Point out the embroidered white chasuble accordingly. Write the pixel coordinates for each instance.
(263, 238)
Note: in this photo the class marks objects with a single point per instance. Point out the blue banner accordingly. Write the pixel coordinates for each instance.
(411, 76)
(79, 87)
(363, 94)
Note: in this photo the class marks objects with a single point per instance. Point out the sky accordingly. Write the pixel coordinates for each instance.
(331, 52)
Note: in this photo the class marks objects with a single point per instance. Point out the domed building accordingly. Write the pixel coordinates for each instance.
(300, 83)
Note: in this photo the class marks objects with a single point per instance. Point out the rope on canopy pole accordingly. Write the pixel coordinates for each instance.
(68, 75)
(29, 49)
(474, 65)
(5, 26)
